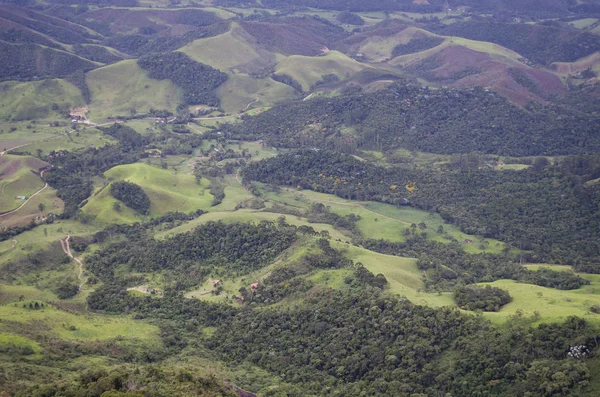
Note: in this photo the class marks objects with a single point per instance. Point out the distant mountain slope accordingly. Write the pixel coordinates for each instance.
(539, 43)
(25, 61)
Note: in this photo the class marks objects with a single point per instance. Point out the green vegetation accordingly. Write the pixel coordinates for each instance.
(166, 191)
(198, 81)
(20, 178)
(124, 88)
(131, 195)
(487, 299)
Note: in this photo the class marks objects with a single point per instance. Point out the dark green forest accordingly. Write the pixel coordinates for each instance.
(546, 209)
(446, 121)
(131, 195)
(197, 80)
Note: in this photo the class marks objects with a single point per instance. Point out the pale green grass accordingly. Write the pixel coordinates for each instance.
(248, 215)
(17, 179)
(29, 211)
(235, 193)
(168, 191)
(383, 221)
(18, 340)
(79, 327)
(583, 23)
(537, 266)
(512, 167)
(240, 92)
(34, 100)
(552, 305)
(402, 274)
(379, 48)
(124, 87)
(83, 138)
(12, 293)
(234, 51)
(309, 70)
(40, 237)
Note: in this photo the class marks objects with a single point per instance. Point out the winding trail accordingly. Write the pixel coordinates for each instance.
(30, 197)
(14, 243)
(67, 249)
(248, 105)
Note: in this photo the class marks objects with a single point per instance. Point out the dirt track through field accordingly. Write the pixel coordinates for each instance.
(67, 249)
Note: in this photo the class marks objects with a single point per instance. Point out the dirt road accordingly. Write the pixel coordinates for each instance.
(67, 249)
(30, 197)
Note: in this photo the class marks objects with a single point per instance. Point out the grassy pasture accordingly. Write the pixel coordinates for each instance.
(382, 221)
(248, 215)
(123, 87)
(309, 70)
(35, 99)
(167, 190)
(552, 305)
(240, 92)
(79, 327)
(19, 177)
(40, 237)
(243, 54)
(583, 23)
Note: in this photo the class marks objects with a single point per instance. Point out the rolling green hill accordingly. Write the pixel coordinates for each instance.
(37, 100)
(124, 87)
(309, 70)
(18, 178)
(168, 192)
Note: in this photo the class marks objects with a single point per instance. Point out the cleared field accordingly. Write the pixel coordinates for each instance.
(78, 327)
(379, 48)
(583, 23)
(19, 176)
(52, 204)
(40, 237)
(552, 305)
(35, 100)
(240, 92)
(402, 274)
(168, 192)
(384, 221)
(309, 70)
(248, 215)
(124, 87)
(243, 54)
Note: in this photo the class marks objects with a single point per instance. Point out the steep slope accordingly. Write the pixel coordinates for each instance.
(124, 87)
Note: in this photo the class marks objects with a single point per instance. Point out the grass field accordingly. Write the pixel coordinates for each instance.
(309, 70)
(168, 191)
(124, 87)
(379, 48)
(243, 54)
(248, 215)
(583, 23)
(41, 236)
(19, 176)
(382, 221)
(79, 327)
(552, 305)
(240, 92)
(34, 100)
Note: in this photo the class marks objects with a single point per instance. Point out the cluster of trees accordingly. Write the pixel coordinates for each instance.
(197, 80)
(417, 44)
(188, 258)
(131, 195)
(288, 80)
(349, 18)
(487, 299)
(546, 209)
(538, 43)
(445, 121)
